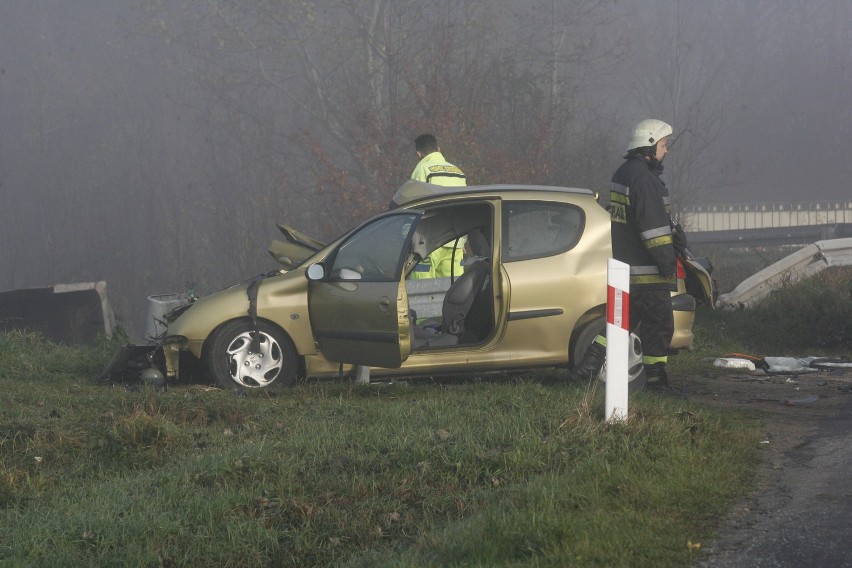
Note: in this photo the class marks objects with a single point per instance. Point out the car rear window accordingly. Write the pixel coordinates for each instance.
(535, 229)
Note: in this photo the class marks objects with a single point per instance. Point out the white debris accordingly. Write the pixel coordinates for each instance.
(734, 363)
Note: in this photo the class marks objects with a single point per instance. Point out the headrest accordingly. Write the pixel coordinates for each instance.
(478, 243)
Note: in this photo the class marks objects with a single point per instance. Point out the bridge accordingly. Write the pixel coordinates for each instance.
(762, 224)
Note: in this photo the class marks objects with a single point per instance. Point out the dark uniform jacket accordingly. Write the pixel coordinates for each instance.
(641, 224)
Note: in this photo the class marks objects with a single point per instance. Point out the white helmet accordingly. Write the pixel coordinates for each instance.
(648, 133)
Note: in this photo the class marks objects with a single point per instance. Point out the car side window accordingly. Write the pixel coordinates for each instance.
(535, 229)
(375, 252)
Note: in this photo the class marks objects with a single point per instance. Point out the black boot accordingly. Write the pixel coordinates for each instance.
(656, 374)
(657, 380)
(590, 366)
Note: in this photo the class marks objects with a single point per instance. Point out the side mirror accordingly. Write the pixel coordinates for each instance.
(315, 272)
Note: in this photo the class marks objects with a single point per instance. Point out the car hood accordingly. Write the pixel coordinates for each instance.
(295, 248)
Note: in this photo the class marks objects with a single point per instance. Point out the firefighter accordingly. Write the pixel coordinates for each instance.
(642, 237)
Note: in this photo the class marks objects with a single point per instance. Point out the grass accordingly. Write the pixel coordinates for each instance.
(510, 473)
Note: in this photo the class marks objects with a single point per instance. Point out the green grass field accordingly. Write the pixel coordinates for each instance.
(424, 474)
(471, 473)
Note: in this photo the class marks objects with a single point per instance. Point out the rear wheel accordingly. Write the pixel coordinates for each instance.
(234, 363)
(635, 371)
(591, 330)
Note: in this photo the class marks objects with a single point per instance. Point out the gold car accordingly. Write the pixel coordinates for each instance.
(531, 293)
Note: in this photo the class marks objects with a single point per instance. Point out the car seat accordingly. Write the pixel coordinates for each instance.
(459, 298)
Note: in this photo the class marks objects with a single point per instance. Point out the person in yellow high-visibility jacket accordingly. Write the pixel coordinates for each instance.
(435, 169)
(442, 261)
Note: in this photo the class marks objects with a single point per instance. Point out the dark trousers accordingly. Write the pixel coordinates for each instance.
(652, 311)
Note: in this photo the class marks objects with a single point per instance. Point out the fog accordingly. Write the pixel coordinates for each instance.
(155, 144)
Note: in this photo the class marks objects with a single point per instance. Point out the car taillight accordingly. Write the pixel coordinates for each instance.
(681, 273)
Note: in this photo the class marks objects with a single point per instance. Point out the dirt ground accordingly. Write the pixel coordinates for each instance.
(785, 403)
(800, 513)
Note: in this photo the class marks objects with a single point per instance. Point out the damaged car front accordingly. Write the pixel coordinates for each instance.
(224, 333)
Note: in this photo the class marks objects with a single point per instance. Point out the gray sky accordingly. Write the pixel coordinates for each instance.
(780, 73)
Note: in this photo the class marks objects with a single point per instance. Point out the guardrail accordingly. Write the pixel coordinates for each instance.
(769, 236)
(801, 264)
(739, 216)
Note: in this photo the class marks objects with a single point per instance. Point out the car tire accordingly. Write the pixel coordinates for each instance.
(598, 327)
(232, 364)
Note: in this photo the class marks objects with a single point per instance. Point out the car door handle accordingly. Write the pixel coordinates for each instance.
(384, 302)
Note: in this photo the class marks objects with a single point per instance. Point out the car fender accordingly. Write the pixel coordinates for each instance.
(281, 300)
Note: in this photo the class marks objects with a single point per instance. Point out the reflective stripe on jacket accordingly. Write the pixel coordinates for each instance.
(433, 168)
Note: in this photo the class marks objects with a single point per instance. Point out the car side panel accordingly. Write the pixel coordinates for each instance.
(550, 295)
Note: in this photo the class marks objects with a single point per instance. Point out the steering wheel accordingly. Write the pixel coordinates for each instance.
(369, 267)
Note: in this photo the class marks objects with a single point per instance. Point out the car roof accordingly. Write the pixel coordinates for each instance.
(413, 191)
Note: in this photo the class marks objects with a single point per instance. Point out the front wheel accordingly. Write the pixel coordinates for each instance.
(234, 362)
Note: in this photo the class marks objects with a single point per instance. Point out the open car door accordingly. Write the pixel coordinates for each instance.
(356, 297)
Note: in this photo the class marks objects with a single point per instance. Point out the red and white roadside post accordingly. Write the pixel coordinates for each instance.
(617, 339)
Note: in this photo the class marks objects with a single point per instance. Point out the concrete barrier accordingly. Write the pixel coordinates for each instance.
(63, 313)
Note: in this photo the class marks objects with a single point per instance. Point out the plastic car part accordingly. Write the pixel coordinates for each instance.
(233, 362)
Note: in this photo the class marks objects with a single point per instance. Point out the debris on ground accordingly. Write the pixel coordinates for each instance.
(804, 401)
(734, 363)
(804, 377)
(75, 314)
(788, 365)
(782, 365)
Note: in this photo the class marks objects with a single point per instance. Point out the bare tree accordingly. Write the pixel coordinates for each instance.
(689, 89)
(270, 111)
(363, 78)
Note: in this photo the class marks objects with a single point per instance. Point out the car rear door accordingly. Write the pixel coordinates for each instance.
(359, 306)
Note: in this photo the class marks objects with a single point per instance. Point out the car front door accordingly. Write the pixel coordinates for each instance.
(356, 297)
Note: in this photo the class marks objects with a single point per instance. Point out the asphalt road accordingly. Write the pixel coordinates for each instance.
(802, 515)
